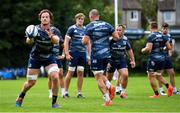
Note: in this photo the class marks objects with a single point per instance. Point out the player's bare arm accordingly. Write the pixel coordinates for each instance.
(147, 49)
(66, 47)
(132, 59)
(116, 36)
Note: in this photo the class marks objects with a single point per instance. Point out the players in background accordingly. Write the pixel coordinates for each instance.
(97, 33)
(75, 53)
(168, 62)
(118, 61)
(154, 46)
(41, 55)
(58, 53)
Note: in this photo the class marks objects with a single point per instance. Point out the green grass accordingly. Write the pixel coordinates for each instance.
(37, 99)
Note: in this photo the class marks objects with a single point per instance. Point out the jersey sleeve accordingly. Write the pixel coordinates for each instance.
(150, 39)
(58, 33)
(166, 39)
(111, 28)
(128, 45)
(69, 31)
(88, 31)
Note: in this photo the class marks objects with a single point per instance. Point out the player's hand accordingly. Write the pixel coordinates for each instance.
(69, 57)
(89, 61)
(61, 57)
(133, 64)
(109, 65)
(50, 33)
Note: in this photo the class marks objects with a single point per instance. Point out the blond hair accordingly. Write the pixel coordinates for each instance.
(79, 15)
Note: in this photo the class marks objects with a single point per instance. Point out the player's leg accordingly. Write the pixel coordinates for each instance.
(50, 86)
(61, 75)
(53, 72)
(161, 89)
(80, 75)
(151, 72)
(102, 86)
(61, 80)
(32, 75)
(171, 74)
(159, 65)
(152, 77)
(98, 67)
(109, 71)
(70, 73)
(124, 81)
(82, 61)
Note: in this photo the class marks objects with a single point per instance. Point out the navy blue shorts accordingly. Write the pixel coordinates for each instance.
(168, 63)
(34, 63)
(116, 65)
(99, 64)
(59, 63)
(79, 59)
(154, 65)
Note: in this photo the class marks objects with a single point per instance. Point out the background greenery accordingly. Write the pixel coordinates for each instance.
(16, 15)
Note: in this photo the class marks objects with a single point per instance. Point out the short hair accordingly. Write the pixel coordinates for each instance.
(79, 15)
(45, 11)
(154, 25)
(94, 12)
(165, 25)
(121, 25)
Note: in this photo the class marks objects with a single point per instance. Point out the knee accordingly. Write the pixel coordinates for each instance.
(54, 75)
(31, 83)
(80, 75)
(125, 76)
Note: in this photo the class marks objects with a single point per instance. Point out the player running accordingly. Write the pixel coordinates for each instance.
(155, 44)
(97, 33)
(118, 61)
(168, 62)
(42, 55)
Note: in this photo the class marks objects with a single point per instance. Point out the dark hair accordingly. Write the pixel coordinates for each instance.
(165, 25)
(45, 11)
(154, 25)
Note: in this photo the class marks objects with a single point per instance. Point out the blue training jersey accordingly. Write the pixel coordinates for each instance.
(170, 41)
(118, 49)
(43, 47)
(99, 33)
(58, 48)
(159, 41)
(76, 33)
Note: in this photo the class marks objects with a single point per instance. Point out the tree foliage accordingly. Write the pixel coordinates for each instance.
(16, 15)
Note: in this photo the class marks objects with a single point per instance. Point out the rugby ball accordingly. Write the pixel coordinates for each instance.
(31, 31)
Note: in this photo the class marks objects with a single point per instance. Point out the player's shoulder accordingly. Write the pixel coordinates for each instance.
(72, 27)
(53, 28)
(169, 35)
(125, 38)
(38, 27)
(155, 34)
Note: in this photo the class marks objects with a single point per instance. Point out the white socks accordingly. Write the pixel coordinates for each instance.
(161, 89)
(106, 97)
(108, 84)
(174, 89)
(62, 91)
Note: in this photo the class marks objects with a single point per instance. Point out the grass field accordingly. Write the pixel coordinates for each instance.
(37, 99)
